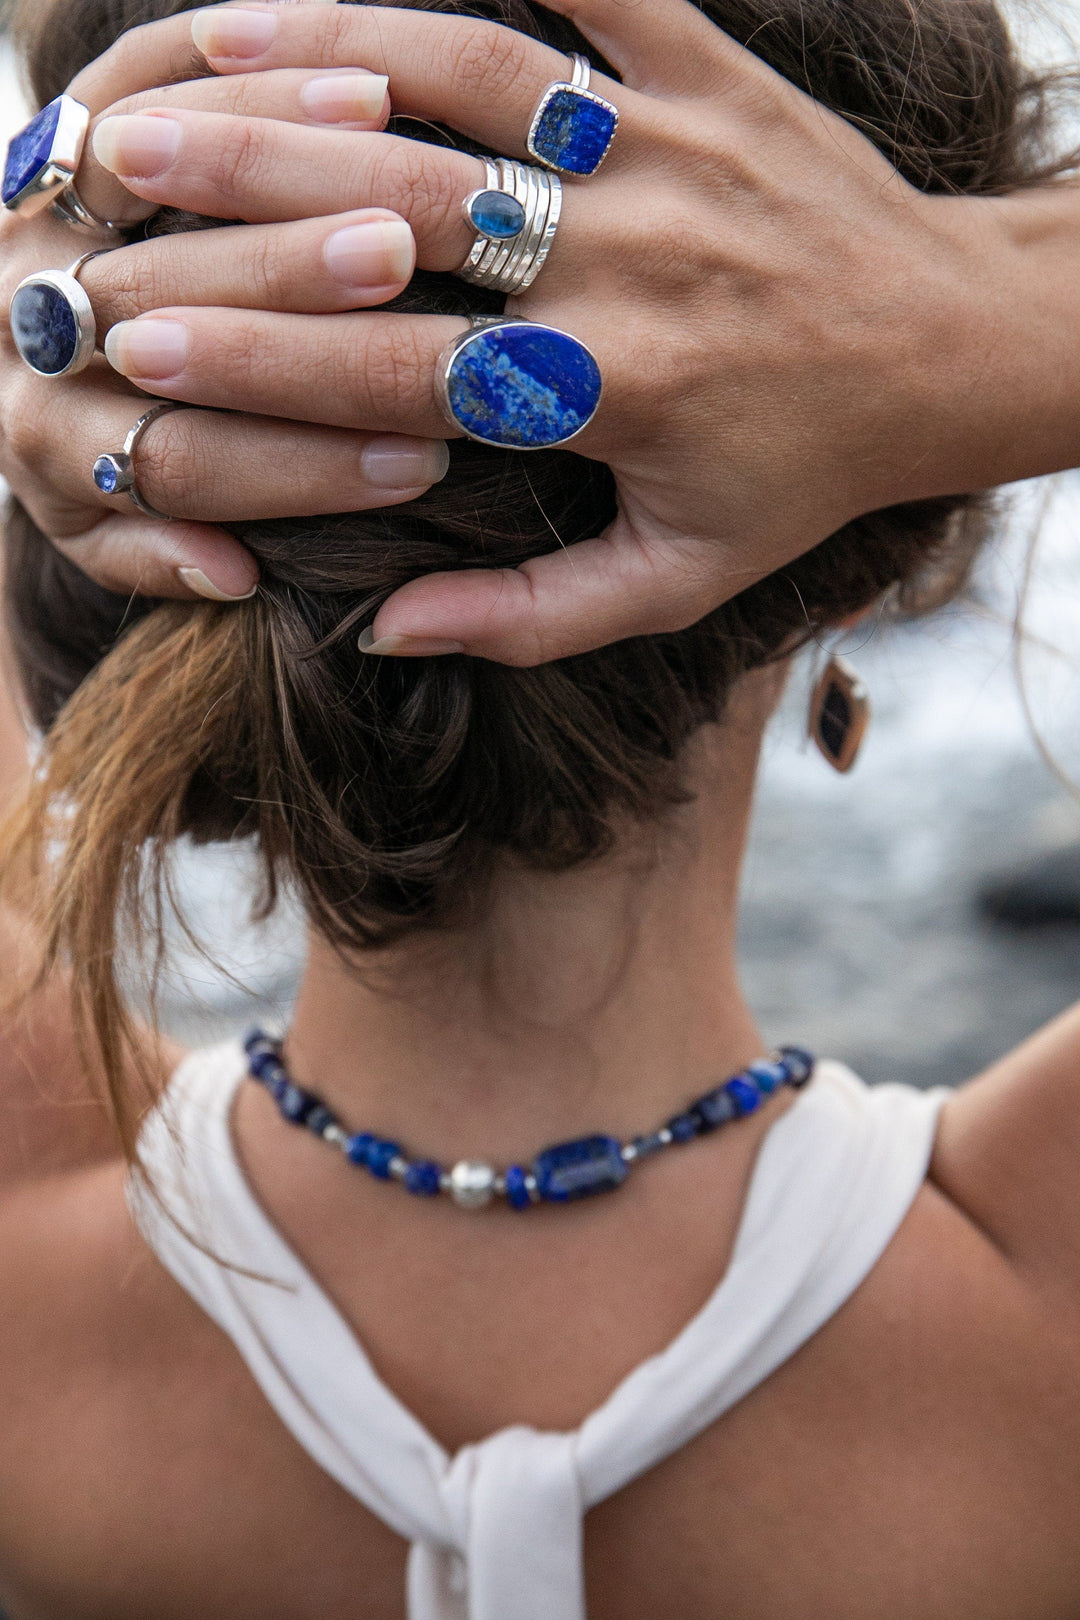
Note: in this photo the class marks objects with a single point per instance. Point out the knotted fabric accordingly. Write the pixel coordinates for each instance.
(496, 1530)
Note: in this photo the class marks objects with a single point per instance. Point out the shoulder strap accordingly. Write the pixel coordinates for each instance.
(496, 1530)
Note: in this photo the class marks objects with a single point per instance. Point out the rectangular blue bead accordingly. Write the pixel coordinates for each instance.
(571, 1170)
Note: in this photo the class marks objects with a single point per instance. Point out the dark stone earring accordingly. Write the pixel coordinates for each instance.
(839, 714)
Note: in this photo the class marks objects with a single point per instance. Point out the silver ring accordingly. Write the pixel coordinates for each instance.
(44, 154)
(573, 128)
(114, 472)
(69, 206)
(515, 215)
(518, 385)
(52, 320)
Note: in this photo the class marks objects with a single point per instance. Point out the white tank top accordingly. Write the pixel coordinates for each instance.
(496, 1530)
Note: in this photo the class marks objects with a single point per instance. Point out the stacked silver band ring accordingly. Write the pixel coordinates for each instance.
(515, 215)
(114, 472)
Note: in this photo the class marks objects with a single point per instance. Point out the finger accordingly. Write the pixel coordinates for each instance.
(222, 467)
(367, 372)
(147, 557)
(350, 261)
(659, 45)
(554, 606)
(262, 171)
(342, 99)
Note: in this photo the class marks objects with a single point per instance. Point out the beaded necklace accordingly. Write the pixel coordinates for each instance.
(558, 1175)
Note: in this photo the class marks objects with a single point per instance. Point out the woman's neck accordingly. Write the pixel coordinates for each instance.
(599, 999)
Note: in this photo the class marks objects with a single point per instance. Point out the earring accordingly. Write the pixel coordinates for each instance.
(839, 714)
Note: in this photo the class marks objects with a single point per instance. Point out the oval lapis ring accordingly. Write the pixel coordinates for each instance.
(517, 384)
(52, 320)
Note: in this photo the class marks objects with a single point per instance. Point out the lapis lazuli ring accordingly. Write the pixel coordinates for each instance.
(573, 128)
(518, 384)
(114, 472)
(41, 164)
(52, 320)
(515, 215)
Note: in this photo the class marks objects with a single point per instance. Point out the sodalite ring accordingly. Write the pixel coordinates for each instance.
(518, 384)
(114, 472)
(573, 128)
(515, 215)
(52, 320)
(41, 164)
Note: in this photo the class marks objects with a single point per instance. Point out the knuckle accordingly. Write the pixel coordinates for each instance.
(389, 371)
(238, 164)
(487, 59)
(169, 465)
(415, 180)
(129, 286)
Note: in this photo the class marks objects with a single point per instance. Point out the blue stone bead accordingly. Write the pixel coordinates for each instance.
(523, 385)
(296, 1103)
(573, 130)
(422, 1178)
(263, 1064)
(645, 1145)
(497, 215)
(799, 1063)
(107, 475)
(379, 1156)
(319, 1118)
(577, 1169)
(359, 1147)
(30, 150)
(517, 1193)
(768, 1076)
(716, 1107)
(256, 1041)
(44, 328)
(744, 1094)
(683, 1127)
(277, 1083)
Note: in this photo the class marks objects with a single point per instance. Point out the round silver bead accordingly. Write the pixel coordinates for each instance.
(472, 1184)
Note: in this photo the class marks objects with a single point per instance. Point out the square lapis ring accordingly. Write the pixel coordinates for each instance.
(43, 156)
(573, 128)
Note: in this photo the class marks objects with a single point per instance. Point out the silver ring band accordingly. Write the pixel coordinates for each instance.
(114, 472)
(69, 207)
(510, 264)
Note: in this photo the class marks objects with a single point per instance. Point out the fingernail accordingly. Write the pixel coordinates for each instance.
(406, 646)
(137, 144)
(233, 32)
(391, 462)
(379, 253)
(345, 98)
(197, 581)
(147, 348)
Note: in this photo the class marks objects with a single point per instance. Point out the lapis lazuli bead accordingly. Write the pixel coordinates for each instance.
(30, 150)
(523, 385)
(798, 1062)
(296, 1103)
(571, 1170)
(517, 1190)
(716, 1107)
(44, 328)
(767, 1076)
(319, 1118)
(422, 1178)
(497, 215)
(644, 1145)
(359, 1147)
(573, 130)
(379, 1156)
(683, 1127)
(261, 1061)
(744, 1094)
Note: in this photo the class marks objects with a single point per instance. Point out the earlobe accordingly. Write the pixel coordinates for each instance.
(839, 714)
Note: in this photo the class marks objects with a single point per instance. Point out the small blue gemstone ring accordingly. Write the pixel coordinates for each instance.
(515, 215)
(114, 472)
(519, 385)
(52, 320)
(573, 128)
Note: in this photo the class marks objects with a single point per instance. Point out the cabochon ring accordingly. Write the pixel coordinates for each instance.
(573, 128)
(515, 215)
(52, 320)
(114, 472)
(518, 384)
(41, 164)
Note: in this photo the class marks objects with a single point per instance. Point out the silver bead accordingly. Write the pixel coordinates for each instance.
(472, 1184)
(665, 1137)
(335, 1134)
(628, 1152)
(397, 1167)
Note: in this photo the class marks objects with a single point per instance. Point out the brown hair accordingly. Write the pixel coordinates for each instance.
(385, 789)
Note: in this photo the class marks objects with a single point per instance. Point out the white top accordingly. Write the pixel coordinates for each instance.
(496, 1530)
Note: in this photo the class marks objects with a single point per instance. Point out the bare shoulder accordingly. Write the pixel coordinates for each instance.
(1008, 1155)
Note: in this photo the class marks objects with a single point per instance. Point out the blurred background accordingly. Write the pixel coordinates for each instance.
(867, 931)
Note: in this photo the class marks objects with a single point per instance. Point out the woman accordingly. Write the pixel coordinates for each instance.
(841, 1327)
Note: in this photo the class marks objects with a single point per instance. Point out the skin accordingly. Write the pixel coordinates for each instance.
(730, 210)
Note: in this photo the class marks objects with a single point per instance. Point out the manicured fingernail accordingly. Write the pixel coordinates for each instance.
(378, 253)
(391, 462)
(137, 144)
(406, 646)
(147, 348)
(197, 581)
(233, 32)
(345, 98)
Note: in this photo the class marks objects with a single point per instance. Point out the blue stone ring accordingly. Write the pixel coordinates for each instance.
(573, 128)
(515, 215)
(41, 164)
(52, 320)
(114, 472)
(518, 384)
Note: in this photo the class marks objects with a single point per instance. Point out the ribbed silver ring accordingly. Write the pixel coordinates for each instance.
(512, 266)
(69, 207)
